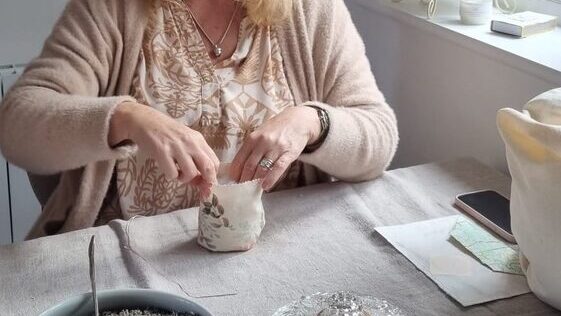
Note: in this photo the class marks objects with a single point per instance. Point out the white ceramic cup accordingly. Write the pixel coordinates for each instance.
(476, 12)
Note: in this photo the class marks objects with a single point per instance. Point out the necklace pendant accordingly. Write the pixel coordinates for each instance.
(217, 51)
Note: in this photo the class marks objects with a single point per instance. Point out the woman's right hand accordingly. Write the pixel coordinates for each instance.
(181, 152)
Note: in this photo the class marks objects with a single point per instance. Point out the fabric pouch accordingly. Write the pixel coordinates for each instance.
(533, 149)
(232, 217)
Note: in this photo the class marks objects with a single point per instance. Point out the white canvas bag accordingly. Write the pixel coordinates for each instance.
(232, 218)
(533, 148)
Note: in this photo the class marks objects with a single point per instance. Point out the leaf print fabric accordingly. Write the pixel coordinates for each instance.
(225, 101)
(232, 218)
(151, 193)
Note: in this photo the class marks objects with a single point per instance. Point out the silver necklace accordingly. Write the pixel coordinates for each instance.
(217, 50)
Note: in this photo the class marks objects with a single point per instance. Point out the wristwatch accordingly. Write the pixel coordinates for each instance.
(325, 124)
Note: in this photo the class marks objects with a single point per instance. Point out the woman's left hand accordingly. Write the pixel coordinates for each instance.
(280, 139)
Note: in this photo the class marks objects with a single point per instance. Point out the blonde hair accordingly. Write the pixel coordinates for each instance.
(267, 12)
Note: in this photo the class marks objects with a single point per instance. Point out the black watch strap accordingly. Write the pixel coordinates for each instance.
(325, 124)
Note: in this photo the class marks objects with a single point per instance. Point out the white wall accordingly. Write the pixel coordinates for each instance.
(24, 25)
(445, 95)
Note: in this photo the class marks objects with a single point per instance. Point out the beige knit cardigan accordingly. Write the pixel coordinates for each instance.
(55, 120)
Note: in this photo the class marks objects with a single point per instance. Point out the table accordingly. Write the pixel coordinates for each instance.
(318, 238)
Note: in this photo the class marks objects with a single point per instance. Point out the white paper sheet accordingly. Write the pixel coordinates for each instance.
(426, 244)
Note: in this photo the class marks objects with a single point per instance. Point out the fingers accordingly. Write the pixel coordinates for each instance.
(261, 172)
(180, 152)
(278, 170)
(238, 163)
(203, 187)
(188, 171)
(252, 164)
(178, 163)
(204, 157)
(167, 165)
(260, 144)
(206, 167)
(211, 155)
(214, 159)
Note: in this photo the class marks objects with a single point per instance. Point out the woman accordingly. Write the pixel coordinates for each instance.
(135, 103)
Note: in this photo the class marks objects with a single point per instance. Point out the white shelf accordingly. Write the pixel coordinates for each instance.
(538, 54)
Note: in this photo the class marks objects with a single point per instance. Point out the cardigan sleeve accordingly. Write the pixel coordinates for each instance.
(363, 135)
(54, 119)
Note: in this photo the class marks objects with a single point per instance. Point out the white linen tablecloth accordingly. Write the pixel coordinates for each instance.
(318, 238)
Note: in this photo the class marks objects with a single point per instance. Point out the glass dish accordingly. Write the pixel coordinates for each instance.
(339, 304)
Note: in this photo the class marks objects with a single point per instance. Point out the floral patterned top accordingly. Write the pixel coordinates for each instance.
(224, 101)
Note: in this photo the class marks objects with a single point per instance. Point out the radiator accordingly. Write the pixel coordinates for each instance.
(8, 75)
(19, 207)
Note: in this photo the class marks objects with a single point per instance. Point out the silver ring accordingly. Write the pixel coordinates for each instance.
(266, 163)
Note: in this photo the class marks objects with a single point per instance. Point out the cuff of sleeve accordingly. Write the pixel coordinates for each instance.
(102, 143)
(333, 147)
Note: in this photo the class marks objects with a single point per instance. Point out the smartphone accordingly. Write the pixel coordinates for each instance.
(489, 208)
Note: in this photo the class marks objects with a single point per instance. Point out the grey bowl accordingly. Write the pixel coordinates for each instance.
(126, 299)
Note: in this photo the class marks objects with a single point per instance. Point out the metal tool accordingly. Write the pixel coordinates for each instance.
(91, 255)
